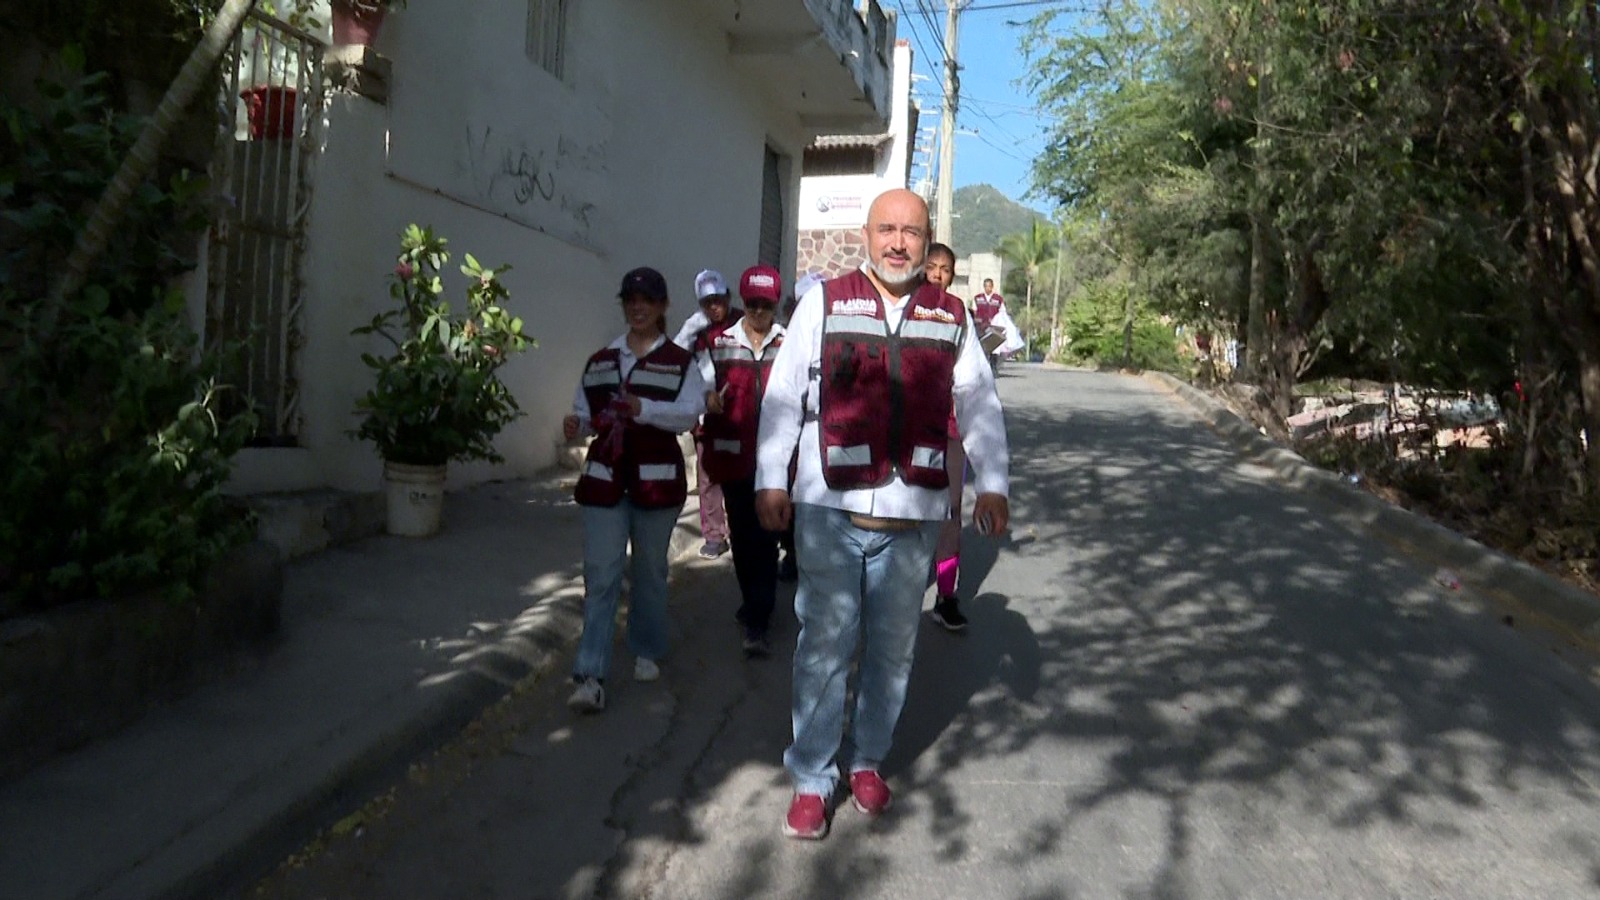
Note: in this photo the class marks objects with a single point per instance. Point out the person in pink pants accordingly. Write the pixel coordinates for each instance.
(716, 307)
(941, 270)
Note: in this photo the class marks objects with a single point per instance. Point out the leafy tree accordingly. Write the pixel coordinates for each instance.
(114, 432)
(1028, 252)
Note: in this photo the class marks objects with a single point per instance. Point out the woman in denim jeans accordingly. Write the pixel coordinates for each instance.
(637, 394)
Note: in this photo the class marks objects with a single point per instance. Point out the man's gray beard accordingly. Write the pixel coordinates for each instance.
(892, 283)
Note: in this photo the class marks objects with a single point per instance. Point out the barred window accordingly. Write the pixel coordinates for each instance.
(547, 34)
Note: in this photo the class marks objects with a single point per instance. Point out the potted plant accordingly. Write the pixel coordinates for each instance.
(358, 21)
(272, 69)
(437, 397)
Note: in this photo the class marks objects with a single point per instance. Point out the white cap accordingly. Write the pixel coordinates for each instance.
(709, 283)
(808, 281)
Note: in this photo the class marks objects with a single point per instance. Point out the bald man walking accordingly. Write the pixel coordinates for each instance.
(873, 364)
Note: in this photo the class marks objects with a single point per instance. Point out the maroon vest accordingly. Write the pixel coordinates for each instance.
(885, 397)
(643, 463)
(729, 437)
(985, 307)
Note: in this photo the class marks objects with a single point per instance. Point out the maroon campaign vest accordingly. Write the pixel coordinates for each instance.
(646, 464)
(730, 437)
(985, 307)
(701, 344)
(885, 397)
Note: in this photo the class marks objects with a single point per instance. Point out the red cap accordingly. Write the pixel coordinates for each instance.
(761, 283)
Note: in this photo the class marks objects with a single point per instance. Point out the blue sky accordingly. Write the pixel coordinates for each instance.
(1008, 129)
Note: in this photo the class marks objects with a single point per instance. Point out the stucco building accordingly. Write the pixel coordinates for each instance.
(842, 173)
(572, 140)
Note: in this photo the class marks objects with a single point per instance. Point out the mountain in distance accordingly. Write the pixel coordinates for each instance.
(982, 216)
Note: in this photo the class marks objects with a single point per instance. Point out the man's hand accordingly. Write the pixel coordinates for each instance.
(569, 427)
(714, 402)
(775, 511)
(991, 514)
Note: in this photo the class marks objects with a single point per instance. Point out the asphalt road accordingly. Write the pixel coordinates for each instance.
(1182, 682)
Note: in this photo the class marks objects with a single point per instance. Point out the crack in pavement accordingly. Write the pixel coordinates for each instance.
(673, 765)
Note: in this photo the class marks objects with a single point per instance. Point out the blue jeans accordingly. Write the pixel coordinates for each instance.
(607, 531)
(855, 585)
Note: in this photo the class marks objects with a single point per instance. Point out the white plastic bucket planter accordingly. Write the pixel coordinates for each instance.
(415, 498)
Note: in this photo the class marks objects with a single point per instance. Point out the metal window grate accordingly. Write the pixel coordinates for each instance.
(269, 107)
(547, 34)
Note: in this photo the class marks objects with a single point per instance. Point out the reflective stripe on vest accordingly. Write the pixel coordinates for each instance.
(928, 457)
(722, 446)
(602, 375)
(597, 470)
(859, 455)
(947, 332)
(641, 377)
(657, 472)
(856, 325)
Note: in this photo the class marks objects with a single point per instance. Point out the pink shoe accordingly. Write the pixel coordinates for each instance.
(868, 792)
(807, 819)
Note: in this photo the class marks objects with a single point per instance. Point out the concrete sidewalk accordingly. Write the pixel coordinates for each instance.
(389, 645)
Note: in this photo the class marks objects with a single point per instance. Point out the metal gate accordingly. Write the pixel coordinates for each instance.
(270, 107)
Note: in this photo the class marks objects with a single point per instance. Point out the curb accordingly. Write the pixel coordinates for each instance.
(1482, 567)
(282, 825)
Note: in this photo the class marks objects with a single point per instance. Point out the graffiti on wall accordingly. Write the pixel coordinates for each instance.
(549, 185)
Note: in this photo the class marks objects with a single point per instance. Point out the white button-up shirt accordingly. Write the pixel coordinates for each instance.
(708, 368)
(794, 387)
(677, 415)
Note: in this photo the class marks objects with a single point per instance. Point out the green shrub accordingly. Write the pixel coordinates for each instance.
(1094, 323)
(111, 426)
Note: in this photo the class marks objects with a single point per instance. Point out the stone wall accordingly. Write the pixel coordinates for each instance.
(831, 251)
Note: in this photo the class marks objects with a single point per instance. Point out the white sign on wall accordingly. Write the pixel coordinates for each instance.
(835, 201)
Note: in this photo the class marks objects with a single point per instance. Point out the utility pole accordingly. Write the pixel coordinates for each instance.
(947, 125)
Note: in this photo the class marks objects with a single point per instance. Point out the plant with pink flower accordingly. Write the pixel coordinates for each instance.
(437, 397)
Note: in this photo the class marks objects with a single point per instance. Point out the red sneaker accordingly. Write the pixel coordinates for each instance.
(868, 792)
(807, 819)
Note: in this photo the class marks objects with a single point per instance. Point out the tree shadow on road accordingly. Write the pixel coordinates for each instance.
(1171, 640)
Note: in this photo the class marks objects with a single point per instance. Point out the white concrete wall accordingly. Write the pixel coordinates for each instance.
(900, 137)
(648, 153)
(972, 270)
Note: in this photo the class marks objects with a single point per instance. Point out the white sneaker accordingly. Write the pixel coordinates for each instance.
(589, 696)
(645, 670)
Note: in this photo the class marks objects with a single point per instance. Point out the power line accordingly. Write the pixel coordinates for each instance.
(917, 35)
(968, 98)
(1017, 3)
(933, 61)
